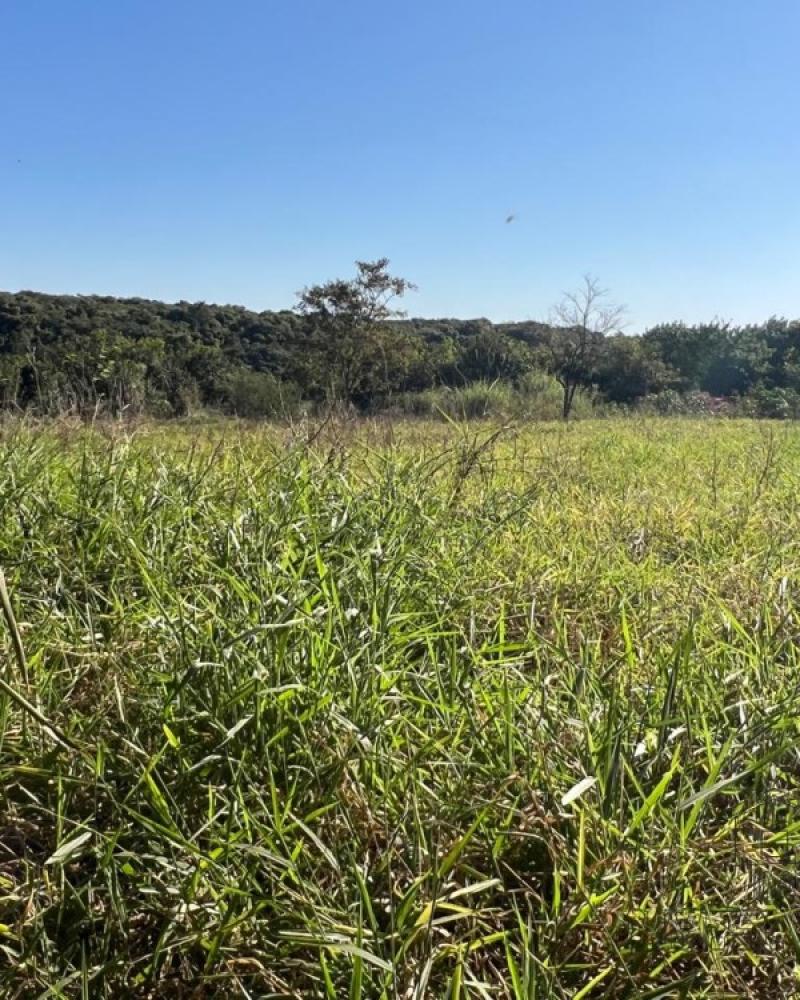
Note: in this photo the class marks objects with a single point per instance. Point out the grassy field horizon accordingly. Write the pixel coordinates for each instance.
(400, 709)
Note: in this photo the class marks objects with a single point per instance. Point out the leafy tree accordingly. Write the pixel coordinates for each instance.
(782, 340)
(628, 369)
(739, 363)
(355, 355)
(690, 351)
(489, 355)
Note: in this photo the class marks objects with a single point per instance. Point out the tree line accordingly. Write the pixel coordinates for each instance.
(347, 342)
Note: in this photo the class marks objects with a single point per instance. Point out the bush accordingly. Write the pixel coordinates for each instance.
(259, 394)
(671, 403)
(774, 404)
(540, 397)
(470, 402)
(536, 396)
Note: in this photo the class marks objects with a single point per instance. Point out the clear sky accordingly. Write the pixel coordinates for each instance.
(236, 150)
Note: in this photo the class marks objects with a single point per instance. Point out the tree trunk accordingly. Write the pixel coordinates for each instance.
(569, 392)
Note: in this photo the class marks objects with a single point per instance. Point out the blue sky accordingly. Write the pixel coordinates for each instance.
(233, 152)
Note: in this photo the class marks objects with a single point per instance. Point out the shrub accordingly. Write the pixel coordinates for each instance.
(775, 404)
(536, 396)
(260, 394)
(470, 402)
(671, 403)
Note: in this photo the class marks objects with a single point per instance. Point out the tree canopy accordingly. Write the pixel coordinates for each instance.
(345, 340)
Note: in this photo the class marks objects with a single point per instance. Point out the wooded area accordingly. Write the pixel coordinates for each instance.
(346, 343)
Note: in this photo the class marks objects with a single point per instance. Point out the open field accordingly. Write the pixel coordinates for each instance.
(316, 711)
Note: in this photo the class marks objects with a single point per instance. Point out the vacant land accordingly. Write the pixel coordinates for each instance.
(402, 712)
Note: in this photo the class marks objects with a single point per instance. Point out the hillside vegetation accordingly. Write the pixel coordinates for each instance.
(90, 354)
(400, 711)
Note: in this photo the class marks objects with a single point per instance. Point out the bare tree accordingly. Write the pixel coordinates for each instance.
(578, 326)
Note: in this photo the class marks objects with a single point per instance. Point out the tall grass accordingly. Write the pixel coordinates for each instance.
(536, 397)
(400, 711)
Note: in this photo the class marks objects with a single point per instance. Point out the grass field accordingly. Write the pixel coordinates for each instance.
(400, 712)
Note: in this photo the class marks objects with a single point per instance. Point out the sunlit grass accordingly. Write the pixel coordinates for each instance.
(400, 711)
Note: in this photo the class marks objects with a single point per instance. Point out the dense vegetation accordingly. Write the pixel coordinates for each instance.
(390, 710)
(344, 343)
